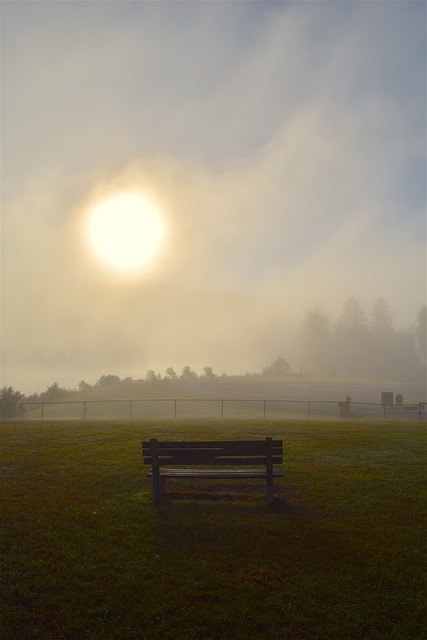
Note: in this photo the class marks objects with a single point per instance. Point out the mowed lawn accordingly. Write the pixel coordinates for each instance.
(86, 555)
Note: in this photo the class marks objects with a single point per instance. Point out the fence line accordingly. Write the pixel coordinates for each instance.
(144, 408)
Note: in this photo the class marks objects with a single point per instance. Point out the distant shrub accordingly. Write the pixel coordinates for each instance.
(277, 369)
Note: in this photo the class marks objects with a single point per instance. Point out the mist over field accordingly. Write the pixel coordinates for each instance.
(284, 145)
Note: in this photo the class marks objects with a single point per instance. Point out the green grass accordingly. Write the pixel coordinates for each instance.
(340, 555)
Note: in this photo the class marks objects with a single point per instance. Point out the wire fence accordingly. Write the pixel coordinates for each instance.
(190, 408)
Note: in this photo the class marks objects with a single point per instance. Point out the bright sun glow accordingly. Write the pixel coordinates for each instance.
(126, 231)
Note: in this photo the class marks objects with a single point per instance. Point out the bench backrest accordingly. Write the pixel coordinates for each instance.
(225, 452)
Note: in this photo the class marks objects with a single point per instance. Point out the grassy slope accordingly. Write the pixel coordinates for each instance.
(291, 388)
(86, 554)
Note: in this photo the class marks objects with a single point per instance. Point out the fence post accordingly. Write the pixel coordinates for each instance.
(42, 410)
(130, 409)
(308, 408)
(264, 409)
(222, 408)
(174, 415)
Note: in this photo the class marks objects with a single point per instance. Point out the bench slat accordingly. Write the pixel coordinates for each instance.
(211, 444)
(215, 473)
(200, 458)
(210, 454)
(227, 448)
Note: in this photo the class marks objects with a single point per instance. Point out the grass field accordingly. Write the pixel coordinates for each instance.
(340, 555)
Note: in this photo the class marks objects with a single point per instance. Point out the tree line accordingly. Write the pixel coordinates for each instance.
(13, 402)
(355, 344)
(280, 367)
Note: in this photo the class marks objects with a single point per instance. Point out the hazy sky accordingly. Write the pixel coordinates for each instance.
(284, 143)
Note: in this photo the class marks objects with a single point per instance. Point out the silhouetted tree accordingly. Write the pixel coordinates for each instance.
(208, 372)
(84, 386)
(152, 376)
(170, 374)
(12, 406)
(53, 392)
(187, 373)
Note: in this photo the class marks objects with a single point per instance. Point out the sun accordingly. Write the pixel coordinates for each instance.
(126, 231)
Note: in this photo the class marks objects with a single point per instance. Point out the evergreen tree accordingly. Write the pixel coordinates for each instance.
(353, 318)
(351, 339)
(315, 342)
(381, 322)
(381, 358)
(421, 333)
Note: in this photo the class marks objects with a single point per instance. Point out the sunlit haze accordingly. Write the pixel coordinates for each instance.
(125, 230)
(183, 182)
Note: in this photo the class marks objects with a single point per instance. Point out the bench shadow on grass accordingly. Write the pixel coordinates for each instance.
(286, 498)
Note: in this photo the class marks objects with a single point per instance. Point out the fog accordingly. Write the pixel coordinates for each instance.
(284, 144)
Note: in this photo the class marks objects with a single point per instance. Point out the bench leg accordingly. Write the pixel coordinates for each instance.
(269, 470)
(162, 486)
(270, 495)
(157, 487)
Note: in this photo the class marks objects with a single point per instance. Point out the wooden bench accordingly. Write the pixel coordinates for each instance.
(259, 455)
